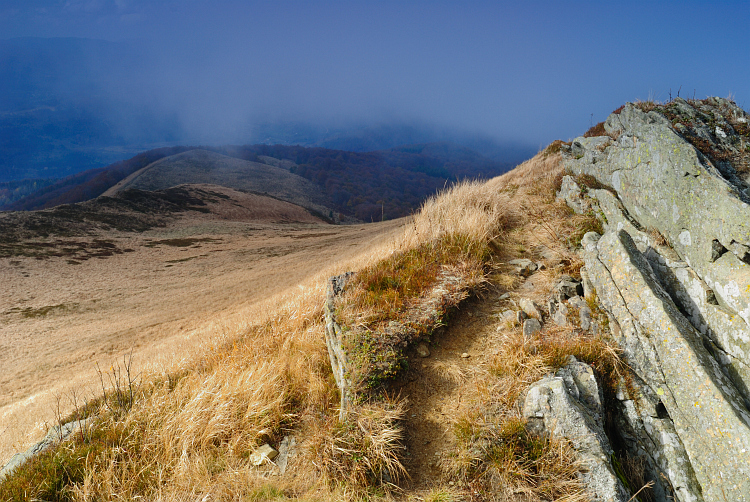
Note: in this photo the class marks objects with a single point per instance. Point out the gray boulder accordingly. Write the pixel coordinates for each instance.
(531, 326)
(55, 435)
(569, 405)
(530, 308)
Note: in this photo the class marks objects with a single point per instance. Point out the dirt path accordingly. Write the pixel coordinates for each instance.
(438, 387)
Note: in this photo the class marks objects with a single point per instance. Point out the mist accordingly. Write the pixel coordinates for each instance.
(197, 72)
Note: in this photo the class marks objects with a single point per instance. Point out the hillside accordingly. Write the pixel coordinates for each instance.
(202, 166)
(367, 186)
(575, 329)
(151, 272)
(87, 184)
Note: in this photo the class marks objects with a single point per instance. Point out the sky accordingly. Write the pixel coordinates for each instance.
(520, 71)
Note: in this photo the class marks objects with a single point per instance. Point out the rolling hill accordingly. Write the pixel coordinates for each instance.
(203, 166)
(368, 186)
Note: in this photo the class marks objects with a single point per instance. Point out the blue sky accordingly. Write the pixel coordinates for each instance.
(525, 71)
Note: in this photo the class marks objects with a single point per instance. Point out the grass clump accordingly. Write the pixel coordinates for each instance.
(595, 130)
(589, 182)
(387, 288)
(497, 453)
(363, 451)
(65, 473)
(522, 459)
(554, 148)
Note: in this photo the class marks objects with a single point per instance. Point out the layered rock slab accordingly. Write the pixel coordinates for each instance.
(664, 183)
(569, 405)
(667, 353)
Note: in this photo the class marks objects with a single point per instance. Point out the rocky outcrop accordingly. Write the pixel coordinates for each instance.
(334, 342)
(671, 271)
(569, 405)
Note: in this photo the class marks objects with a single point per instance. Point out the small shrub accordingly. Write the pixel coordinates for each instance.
(554, 148)
(587, 223)
(596, 130)
(646, 106)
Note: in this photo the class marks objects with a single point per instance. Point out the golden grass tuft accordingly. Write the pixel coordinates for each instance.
(497, 452)
(365, 449)
(460, 228)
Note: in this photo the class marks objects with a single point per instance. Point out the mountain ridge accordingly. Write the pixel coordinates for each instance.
(363, 185)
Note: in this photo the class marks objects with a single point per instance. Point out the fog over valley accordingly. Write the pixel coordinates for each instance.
(87, 82)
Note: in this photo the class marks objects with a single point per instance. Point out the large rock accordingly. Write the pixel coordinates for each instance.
(569, 405)
(711, 420)
(664, 183)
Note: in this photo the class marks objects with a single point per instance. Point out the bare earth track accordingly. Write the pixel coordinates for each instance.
(59, 316)
(439, 386)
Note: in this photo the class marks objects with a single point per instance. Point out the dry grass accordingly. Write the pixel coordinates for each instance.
(461, 228)
(197, 423)
(191, 429)
(451, 246)
(444, 254)
(497, 454)
(365, 450)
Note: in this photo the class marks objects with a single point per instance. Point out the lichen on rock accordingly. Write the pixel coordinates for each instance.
(672, 273)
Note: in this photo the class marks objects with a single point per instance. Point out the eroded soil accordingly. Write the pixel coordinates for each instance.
(440, 386)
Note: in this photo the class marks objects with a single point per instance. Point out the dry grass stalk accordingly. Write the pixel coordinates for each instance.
(364, 450)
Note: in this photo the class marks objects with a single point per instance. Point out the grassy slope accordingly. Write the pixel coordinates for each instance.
(189, 431)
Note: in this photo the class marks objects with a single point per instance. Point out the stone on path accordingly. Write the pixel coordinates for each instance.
(262, 454)
(531, 326)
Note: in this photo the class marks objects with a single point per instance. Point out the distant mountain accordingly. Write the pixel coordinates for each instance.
(362, 185)
(89, 184)
(206, 167)
(383, 184)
